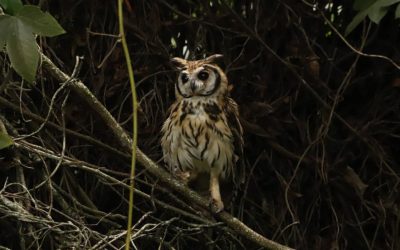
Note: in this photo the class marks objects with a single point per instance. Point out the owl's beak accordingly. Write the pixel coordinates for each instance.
(192, 85)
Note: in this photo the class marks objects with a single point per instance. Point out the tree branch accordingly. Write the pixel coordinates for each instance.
(125, 141)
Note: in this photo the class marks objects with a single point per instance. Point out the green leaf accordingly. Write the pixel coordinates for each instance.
(397, 13)
(379, 9)
(360, 5)
(39, 22)
(23, 50)
(374, 9)
(11, 6)
(5, 22)
(356, 21)
(5, 140)
(377, 12)
(17, 32)
(385, 3)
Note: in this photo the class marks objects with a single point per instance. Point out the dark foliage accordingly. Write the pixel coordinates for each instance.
(322, 122)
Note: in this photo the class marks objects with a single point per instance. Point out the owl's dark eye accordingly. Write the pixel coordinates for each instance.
(203, 75)
(184, 78)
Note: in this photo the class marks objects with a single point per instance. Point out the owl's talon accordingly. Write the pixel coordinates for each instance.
(183, 176)
(216, 206)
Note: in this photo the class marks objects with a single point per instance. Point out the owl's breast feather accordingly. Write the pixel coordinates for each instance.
(195, 138)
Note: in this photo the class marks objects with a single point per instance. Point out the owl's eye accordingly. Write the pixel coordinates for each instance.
(203, 75)
(184, 78)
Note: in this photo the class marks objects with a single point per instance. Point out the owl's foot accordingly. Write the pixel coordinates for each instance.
(216, 206)
(184, 176)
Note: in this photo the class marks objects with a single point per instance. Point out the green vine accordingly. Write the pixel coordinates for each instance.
(134, 128)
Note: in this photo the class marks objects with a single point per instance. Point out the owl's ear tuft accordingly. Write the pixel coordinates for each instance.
(178, 62)
(213, 58)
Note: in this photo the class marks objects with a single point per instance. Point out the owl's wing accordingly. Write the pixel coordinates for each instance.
(173, 109)
(232, 115)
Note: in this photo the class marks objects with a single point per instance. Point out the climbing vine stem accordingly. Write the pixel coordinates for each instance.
(134, 128)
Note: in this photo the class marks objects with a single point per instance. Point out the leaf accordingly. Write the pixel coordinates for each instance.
(22, 50)
(39, 22)
(5, 140)
(5, 21)
(11, 6)
(374, 9)
(17, 32)
(385, 3)
(360, 5)
(397, 13)
(377, 12)
(355, 22)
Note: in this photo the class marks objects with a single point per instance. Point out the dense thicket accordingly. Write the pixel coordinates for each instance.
(321, 121)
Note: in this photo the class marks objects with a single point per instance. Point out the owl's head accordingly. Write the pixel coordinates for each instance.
(202, 78)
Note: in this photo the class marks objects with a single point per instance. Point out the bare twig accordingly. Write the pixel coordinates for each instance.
(150, 165)
(355, 50)
(103, 174)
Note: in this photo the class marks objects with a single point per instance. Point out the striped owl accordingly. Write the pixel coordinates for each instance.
(202, 133)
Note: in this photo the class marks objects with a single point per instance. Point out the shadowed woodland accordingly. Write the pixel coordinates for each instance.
(321, 122)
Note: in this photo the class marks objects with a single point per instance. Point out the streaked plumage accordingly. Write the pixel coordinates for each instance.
(202, 132)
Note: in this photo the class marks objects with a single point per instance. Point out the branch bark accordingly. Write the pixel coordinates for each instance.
(125, 141)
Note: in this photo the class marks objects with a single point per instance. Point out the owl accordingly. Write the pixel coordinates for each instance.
(202, 134)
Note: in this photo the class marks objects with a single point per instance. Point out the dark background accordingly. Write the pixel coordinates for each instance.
(321, 121)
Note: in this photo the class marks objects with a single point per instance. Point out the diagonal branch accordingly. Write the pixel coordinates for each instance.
(125, 141)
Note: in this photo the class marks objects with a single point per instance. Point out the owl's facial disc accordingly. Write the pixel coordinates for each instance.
(203, 81)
